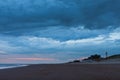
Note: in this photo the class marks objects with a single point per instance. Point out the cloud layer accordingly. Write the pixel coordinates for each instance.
(17, 15)
(58, 29)
(58, 50)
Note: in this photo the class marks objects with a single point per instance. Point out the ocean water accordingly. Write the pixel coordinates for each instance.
(6, 66)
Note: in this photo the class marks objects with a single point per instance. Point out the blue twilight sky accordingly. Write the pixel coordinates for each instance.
(48, 31)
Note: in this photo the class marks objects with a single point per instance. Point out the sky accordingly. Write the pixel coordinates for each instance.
(55, 31)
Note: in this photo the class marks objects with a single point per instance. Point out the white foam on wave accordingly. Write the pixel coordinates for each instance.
(7, 67)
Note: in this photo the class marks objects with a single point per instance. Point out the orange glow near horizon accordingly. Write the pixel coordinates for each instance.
(35, 59)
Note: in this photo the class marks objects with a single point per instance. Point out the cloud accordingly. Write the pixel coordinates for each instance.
(27, 58)
(61, 34)
(64, 34)
(67, 27)
(6, 47)
(42, 49)
(36, 44)
(34, 59)
(17, 15)
(3, 53)
(114, 36)
(85, 41)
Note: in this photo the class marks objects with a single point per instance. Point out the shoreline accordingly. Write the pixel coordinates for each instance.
(10, 66)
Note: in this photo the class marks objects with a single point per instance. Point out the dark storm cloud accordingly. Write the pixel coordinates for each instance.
(37, 14)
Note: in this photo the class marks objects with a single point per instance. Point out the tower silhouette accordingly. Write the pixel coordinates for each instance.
(106, 54)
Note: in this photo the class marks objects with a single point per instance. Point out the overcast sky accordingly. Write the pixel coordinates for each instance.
(48, 31)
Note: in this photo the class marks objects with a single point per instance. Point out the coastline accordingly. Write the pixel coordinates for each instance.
(9, 66)
(63, 72)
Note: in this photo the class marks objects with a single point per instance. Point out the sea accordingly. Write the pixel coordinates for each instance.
(7, 66)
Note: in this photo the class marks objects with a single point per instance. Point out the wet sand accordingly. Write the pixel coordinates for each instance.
(63, 72)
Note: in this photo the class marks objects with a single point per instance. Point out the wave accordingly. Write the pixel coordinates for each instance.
(7, 66)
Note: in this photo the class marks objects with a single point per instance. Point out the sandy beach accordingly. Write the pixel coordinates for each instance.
(63, 72)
